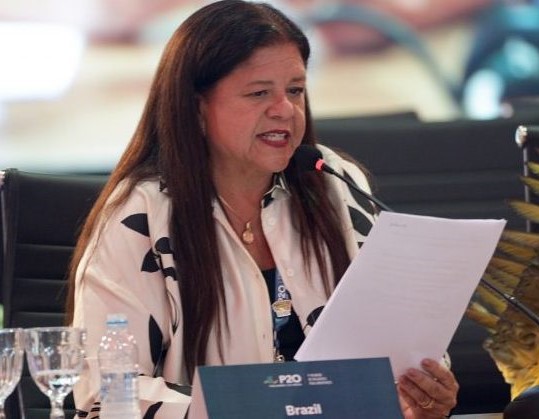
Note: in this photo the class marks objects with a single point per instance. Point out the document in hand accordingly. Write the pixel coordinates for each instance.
(405, 292)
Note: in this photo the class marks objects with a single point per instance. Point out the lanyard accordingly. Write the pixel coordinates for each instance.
(281, 311)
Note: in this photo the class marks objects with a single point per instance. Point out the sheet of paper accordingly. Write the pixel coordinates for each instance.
(405, 292)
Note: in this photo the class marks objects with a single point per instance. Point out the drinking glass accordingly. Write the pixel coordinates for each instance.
(55, 358)
(11, 362)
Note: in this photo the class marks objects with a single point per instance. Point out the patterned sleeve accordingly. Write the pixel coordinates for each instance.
(127, 268)
(358, 209)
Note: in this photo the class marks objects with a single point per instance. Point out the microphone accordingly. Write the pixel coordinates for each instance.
(526, 134)
(308, 157)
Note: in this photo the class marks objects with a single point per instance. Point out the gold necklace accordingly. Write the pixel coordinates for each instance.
(247, 235)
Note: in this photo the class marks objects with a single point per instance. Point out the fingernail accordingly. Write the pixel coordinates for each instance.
(427, 363)
(413, 373)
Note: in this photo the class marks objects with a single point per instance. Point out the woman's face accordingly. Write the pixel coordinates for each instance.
(255, 117)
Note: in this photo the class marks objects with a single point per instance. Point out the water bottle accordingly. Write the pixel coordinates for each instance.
(118, 366)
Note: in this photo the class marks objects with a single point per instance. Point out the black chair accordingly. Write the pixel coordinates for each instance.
(41, 216)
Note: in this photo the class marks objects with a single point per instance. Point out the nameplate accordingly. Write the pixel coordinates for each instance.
(357, 388)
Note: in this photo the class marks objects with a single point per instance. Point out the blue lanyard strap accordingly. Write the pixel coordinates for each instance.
(281, 307)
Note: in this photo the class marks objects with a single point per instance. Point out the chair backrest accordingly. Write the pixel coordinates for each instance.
(41, 216)
(455, 169)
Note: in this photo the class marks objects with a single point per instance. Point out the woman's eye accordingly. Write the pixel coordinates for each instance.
(259, 93)
(296, 91)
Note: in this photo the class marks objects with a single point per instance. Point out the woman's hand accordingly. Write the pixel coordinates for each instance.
(428, 394)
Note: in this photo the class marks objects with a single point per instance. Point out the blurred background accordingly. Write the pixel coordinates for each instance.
(74, 74)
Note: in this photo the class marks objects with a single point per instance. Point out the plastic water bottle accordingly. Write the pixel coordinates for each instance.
(118, 365)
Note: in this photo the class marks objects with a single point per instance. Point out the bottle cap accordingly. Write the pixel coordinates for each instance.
(116, 319)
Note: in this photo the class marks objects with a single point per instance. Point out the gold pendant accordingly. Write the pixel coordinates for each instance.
(247, 236)
(282, 308)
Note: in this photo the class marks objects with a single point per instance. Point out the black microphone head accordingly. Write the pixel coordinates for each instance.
(306, 156)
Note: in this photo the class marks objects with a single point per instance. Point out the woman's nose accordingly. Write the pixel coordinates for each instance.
(282, 108)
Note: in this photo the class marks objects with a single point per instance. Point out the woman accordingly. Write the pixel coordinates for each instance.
(205, 219)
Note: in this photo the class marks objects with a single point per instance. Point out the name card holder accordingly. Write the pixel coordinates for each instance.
(355, 388)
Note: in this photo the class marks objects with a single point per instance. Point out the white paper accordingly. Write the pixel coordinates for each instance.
(405, 292)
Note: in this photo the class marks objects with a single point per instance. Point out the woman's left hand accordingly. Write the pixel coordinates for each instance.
(428, 394)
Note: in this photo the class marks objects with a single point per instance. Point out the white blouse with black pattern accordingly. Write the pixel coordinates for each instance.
(130, 269)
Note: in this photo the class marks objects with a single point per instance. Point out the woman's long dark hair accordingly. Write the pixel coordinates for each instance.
(169, 143)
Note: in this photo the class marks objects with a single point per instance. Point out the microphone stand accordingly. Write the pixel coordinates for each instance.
(512, 301)
(370, 197)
